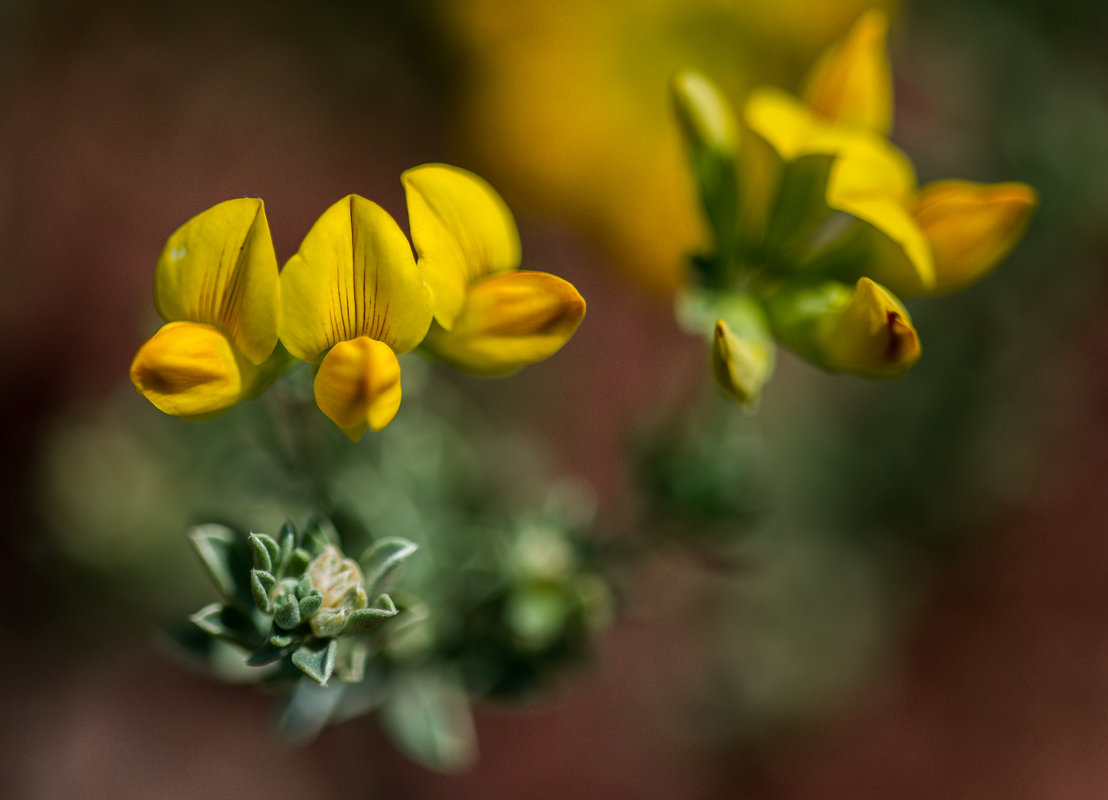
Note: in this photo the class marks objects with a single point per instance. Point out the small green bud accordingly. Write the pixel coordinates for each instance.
(311, 603)
(288, 544)
(297, 562)
(708, 127)
(266, 551)
(261, 587)
(286, 612)
(304, 585)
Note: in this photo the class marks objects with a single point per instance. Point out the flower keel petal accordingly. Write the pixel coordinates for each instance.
(509, 321)
(189, 369)
(358, 386)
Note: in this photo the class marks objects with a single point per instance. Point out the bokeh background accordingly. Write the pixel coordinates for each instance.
(913, 599)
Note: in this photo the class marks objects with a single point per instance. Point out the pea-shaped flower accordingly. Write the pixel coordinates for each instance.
(927, 240)
(216, 286)
(490, 317)
(352, 300)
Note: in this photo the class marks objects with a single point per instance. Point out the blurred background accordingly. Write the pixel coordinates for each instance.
(867, 590)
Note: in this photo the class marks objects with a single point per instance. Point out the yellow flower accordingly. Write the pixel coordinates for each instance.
(216, 286)
(490, 317)
(352, 300)
(925, 241)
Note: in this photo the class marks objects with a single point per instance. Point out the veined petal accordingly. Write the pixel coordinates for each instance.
(358, 386)
(219, 268)
(971, 227)
(189, 369)
(852, 82)
(509, 321)
(353, 276)
(871, 335)
(462, 231)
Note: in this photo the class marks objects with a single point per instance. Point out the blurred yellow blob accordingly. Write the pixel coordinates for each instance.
(567, 107)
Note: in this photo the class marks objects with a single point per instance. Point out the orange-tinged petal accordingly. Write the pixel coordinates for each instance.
(219, 268)
(353, 276)
(358, 386)
(852, 83)
(462, 231)
(509, 321)
(189, 369)
(971, 227)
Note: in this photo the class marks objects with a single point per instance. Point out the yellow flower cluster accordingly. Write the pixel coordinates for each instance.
(820, 225)
(349, 301)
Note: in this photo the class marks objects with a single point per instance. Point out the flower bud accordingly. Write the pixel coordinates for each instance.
(865, 330)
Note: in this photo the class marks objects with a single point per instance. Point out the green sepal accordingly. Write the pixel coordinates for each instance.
(228, 623)
(276, 646)
(297, 562)
(266, 551)
(286, 612)
(365, 619)
(317, 662)
(381, 563)
(219, 552)
(261, 586)
(310, 603)
(304, 585)
(798, 210)
(710, 133)
(315, 542)
(288, 544)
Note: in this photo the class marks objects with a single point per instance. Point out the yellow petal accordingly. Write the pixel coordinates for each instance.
(875, 182)
(852, 83)
(793, 130)
(872, 335)
(971, 227)
(509, 321)
(189, 369)
(462, 231)
(358, 386)
(353, 276)
(741, 365)
(219, 268)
